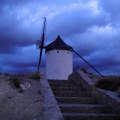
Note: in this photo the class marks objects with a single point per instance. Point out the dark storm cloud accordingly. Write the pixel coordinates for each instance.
(74, 22)
(25, 60)
(18, 31)
(112, 8)
(104, 65)
(14, 33)
(104, 61)
(89, 26)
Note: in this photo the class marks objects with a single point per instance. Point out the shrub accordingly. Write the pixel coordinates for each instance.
(84, 70)
(35, 76)
(108, 84)
(118, 95)
(16, 82)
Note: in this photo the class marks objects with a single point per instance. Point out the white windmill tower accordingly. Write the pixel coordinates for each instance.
(59, 60)
(59, 57)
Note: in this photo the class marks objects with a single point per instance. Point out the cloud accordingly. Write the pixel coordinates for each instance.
(27, 58)
(112, 9)
(73, 19)
(91, 27)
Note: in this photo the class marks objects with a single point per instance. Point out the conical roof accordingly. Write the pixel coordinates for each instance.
(58, 44)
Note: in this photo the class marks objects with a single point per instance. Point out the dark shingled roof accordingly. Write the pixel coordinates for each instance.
(58, 44)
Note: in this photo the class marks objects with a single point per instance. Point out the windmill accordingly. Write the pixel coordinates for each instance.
(58, 57)
(40, 43)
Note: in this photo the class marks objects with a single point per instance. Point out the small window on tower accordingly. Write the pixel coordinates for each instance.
(57, 51)
(67, 52)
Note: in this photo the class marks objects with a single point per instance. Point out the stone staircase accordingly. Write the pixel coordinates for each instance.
(78, 104)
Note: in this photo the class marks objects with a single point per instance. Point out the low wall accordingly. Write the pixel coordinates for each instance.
(51, 108)
(106, 97)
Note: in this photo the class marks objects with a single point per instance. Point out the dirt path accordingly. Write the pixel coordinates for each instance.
(27, 105)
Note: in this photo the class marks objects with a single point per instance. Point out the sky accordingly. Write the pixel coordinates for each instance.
(91, 27)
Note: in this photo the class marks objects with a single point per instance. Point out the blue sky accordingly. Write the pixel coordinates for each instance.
(91, 27)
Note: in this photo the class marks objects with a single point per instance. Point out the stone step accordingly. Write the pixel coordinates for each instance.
(54, 88)
(59, 81)
(84, 100)
(71, 94)
(62, 85)
(77, 104)
(90, 116)
(84, 108)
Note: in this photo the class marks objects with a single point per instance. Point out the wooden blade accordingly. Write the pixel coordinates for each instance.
(42, 42)
(40, 57)
(41, 45)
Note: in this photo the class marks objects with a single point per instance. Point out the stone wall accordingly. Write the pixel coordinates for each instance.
(51, 108)
(106, 97)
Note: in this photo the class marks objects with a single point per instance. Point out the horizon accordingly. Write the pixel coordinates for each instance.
(91, 27)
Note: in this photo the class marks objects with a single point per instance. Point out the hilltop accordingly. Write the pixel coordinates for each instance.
(21, 98)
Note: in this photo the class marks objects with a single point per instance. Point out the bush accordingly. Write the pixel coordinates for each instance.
(84, 70)
(16, 82)
(108, 84)
(35, 76)
(118, 95)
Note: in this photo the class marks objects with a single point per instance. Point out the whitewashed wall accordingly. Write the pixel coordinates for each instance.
(59, 64)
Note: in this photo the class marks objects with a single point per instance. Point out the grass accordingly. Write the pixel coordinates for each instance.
(16, 82)
(111, 83)
(35, 76)
(84, 70)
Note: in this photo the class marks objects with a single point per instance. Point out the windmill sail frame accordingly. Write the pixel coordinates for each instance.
(40, 43)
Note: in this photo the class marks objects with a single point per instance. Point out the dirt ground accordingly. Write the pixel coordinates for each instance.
(17, 105)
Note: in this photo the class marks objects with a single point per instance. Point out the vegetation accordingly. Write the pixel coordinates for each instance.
(119, 95)
(16, 82)
(35, 76)
(84, 70)
(109, 83)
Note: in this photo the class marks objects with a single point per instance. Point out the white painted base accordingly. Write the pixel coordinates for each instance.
(59, 64)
